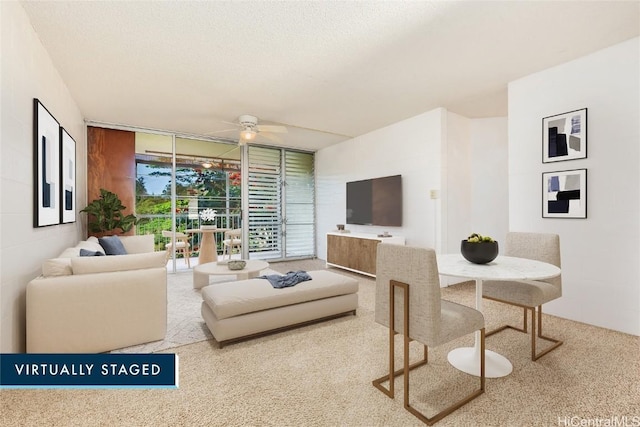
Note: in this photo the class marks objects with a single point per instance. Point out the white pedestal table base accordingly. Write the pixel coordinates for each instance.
(467, 359)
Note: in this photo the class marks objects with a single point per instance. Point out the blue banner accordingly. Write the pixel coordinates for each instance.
(88, 370)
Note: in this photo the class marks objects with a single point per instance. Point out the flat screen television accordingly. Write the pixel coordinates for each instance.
(375, 201)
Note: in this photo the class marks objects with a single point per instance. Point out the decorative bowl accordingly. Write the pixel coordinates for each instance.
(479, 252)
(236, 264)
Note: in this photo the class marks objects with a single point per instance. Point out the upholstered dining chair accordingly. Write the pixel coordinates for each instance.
(182, 245)
(232, 239)
(529, 295)
(408, 302)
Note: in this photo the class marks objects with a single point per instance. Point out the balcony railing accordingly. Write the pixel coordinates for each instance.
(187, 217)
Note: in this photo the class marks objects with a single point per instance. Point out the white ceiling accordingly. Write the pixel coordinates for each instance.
(343, 67)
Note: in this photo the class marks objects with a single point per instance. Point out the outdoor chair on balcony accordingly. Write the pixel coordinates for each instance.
(232, 239)
(182, 245)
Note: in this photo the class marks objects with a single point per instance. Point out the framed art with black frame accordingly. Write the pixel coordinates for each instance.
(46, 167)
(564, 194)
(67, 177)
(564, 136)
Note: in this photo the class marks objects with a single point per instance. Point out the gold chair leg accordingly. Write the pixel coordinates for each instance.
(377, 383)
(534, 356)
(557, 343)
(409, 367)
(440, 415)
(524, 328)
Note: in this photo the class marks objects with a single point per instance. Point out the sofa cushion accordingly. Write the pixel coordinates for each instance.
(112, 245)
(90, 245)
(57, 267)
(138, 244)
(89, 265)
(84, 252)
(247, 296)
(70, 253)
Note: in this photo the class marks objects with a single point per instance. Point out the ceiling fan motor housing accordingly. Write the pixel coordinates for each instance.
(248, 121)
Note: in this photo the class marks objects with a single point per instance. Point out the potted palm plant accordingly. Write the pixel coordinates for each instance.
(106, 215)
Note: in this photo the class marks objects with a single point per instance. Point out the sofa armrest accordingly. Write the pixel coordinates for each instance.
(111, 263)
(93, 313)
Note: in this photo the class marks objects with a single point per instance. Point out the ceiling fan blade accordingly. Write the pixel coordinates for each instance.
(271, 137)
(215, 132)
(272, 128)
(315, 130)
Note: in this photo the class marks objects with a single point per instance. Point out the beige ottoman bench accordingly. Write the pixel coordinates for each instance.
(235, 311)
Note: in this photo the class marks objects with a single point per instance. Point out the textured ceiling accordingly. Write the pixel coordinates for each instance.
(345, 68)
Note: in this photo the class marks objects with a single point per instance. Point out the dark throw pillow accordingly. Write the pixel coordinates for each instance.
(85, 252)
(112, 245)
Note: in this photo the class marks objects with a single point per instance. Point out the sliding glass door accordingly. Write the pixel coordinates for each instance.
(281, 203)
(265, 203)
(299, 196)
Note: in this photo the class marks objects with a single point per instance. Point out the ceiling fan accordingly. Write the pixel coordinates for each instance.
(249, 129)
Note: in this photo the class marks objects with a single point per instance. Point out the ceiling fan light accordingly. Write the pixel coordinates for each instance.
(247, 134)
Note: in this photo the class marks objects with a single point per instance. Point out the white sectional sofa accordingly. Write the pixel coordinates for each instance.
(93, 304)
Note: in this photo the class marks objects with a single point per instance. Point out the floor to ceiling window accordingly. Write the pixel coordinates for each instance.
(207, 176)
(168, 181)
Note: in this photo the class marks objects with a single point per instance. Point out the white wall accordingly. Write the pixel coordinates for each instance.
(437, 150)
(490, 171)
(410, 148)
(600, 254)
(457, 178)
(27, 73)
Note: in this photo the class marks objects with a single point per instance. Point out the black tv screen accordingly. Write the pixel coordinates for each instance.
(375, 201)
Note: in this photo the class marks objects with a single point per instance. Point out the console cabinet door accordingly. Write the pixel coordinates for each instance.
(353, 253)
(337, 250)
(363, 254)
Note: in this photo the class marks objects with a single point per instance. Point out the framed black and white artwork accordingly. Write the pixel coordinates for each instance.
(67, 177)
(564, 136)
(46, 167)
(564, 194)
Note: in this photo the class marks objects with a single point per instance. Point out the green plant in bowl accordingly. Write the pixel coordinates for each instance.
(478, 238)
(479, 249)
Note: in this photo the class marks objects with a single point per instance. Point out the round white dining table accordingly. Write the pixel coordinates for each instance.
(467, 359)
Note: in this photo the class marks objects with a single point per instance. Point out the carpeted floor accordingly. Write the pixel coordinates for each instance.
(320, 375)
